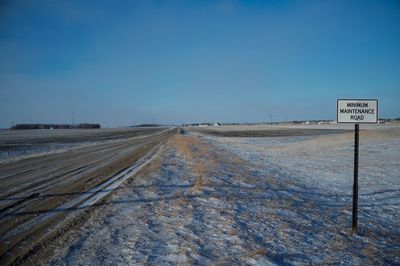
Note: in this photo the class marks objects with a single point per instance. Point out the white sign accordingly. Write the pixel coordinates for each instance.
(357, 111)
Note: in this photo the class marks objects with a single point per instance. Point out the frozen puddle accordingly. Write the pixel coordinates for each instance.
(228, 201)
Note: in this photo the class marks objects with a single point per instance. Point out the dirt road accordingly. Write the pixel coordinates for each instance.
(37, 192)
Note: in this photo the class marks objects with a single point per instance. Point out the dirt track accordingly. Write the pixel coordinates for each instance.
(11, 140)
(35, 187)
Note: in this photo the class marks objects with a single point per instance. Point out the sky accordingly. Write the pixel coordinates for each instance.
(122, 63)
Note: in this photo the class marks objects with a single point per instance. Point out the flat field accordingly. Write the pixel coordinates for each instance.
(257, 195)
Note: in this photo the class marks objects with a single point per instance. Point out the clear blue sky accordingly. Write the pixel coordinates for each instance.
(121, 62)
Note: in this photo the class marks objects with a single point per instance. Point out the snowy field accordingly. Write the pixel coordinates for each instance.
(257, 201)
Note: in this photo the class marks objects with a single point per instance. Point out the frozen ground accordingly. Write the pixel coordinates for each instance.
(29, 151)
(16, 145)
(326, 161)
(38, 193)
(36, 150)
(258, 201)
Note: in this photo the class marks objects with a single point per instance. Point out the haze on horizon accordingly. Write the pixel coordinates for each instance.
(126, 62)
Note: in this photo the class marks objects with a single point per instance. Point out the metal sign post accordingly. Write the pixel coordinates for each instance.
(356, 111)
(355, 181)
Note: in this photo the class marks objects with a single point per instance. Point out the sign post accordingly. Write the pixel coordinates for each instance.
(356, 111)
(355, 182)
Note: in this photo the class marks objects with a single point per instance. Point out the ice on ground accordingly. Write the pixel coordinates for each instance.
(257, 201)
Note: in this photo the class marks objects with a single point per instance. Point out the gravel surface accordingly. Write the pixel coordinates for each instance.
(38, 192)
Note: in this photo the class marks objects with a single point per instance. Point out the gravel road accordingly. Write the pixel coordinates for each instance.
(35, 187)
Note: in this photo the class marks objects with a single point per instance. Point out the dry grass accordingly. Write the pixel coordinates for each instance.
(196, 153)
(258, 252)
(198, 183)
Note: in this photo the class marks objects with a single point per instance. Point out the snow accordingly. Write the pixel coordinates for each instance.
(260, 201)
(28, 151)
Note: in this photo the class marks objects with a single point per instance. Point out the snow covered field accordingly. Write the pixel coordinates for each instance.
(257, 201)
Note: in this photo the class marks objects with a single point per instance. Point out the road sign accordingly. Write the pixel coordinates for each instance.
(357, 111)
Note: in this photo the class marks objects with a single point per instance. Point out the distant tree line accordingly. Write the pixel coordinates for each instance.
(87, 125)
(53, 126)
(147, 125)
